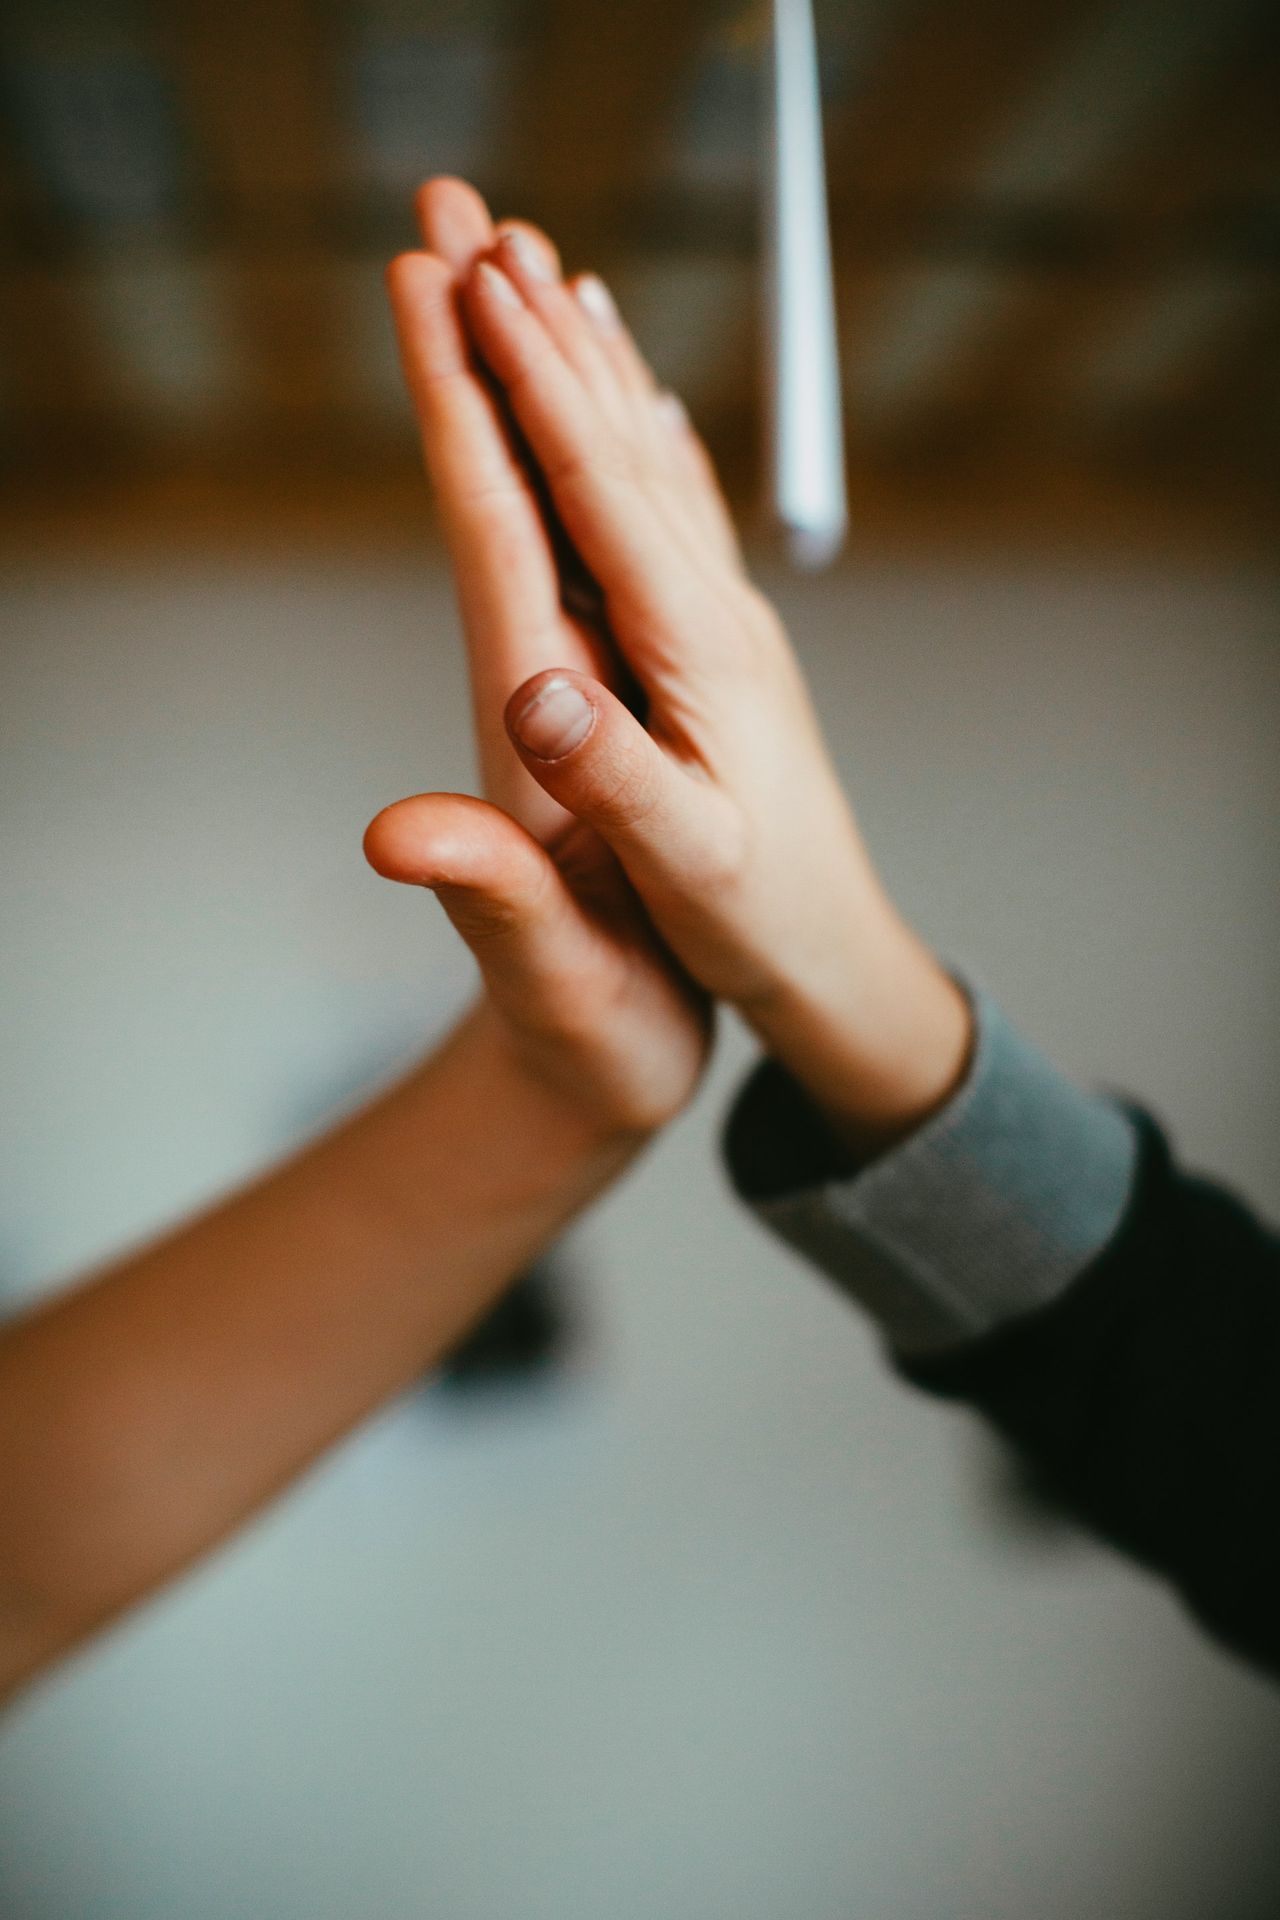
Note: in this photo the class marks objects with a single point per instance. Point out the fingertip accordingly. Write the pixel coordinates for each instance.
(494, 287)
(533, 248)
(413, 276)
(596, 301)
(527, 256)
(673, 412)
(387, 842)
(453, 219)
(424, 840)
(453, 840)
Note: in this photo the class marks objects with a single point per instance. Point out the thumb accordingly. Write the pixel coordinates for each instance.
(672, 834)
(504, 894)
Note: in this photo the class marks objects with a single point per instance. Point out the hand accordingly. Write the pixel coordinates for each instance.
(723, 808)
(587, 1002)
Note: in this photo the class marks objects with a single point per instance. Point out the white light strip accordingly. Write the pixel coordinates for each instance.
(806, 421)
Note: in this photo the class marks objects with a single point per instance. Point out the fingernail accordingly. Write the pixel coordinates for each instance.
(673, 409)
(596, 298)
(556, 720)
(527, 254)
(498, 284)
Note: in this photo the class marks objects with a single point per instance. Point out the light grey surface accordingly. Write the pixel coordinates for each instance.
(725, 1626)
(990, 1209)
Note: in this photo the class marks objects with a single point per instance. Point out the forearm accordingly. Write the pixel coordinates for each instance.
(147, 1413)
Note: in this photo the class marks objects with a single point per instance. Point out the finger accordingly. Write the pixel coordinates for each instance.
(616, 341)
(533, 942)
(663, 426)
(630, 369)
(529, 260)
(503, 558)
(645, 573)
(456, 226)
(701, 479)
(673, 834)
(453, 220)
(541, 243)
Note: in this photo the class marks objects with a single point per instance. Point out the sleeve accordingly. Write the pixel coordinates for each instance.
(988, 1211)
(1147, 1396)
(1037, 1253)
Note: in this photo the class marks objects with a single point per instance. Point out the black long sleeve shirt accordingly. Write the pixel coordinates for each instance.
(1036, 1252)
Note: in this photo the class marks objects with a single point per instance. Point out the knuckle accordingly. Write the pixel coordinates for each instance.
(484, 917)
(436, 372)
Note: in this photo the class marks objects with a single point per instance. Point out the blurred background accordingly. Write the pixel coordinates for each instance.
(1055, 226)
(710, 1617)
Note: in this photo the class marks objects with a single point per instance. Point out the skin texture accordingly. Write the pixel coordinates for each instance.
(722, 808)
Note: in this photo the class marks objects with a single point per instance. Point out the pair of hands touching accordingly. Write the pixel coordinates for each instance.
(619, 876)
(616, 879)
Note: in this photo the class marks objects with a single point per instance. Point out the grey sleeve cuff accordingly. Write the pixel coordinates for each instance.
(991, 1209)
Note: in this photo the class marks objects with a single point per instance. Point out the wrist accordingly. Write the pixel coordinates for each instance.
(472, 1159)
(879, 1044)
(469, 1157)
(533, 1093)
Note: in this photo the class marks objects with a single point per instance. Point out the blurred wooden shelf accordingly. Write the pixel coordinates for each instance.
(1056, 228)
(370, 499)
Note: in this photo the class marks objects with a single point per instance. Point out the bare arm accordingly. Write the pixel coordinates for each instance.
(148, 1412)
